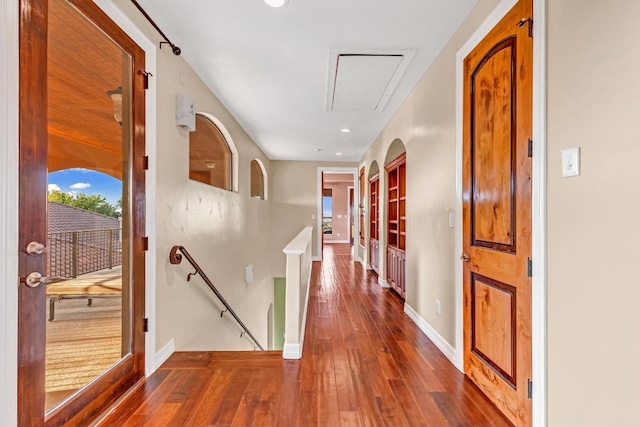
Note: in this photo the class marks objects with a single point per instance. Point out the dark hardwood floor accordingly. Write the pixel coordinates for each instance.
(364, 363)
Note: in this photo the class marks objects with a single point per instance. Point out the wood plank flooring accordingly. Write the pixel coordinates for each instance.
(364, 363)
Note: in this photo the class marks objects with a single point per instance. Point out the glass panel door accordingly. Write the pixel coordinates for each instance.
(89, 139)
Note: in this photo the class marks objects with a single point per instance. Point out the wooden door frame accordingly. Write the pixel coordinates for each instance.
(9, 80)
(9, 19)
(538, 201)
(350, 212)
(33, 135)
(152, 361)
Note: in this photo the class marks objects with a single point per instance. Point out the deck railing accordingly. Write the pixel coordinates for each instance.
(298, 278)
(72, 253)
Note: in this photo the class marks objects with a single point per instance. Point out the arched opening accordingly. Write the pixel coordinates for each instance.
(396, 149)
(210, 155)
(258, 180)
(396, 227)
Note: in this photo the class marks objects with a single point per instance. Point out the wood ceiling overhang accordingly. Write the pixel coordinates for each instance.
(83, 65)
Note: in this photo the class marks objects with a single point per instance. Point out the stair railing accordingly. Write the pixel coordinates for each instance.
(176, 258)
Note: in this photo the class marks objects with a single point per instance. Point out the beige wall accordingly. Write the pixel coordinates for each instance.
(426, 125)
(223, 230)
(593, 286)
(293, 193)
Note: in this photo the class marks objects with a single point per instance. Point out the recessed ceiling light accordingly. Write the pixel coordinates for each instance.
(345, 130)
(276, 3)
(338, 154)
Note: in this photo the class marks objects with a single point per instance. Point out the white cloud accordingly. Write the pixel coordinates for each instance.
(84, 170)
(80, 186)
(53, 187)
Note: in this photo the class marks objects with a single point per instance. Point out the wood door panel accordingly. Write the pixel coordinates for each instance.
(499, 266)
(44, 101)
(493, 318)
(492, 146)
(496, 185)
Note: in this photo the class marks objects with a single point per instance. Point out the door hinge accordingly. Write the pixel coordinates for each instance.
(529, 267)
(530, 389)
(145, 325)
(145, 76)
(528, 20)
(145, 243)
(529, 148)
(145, 162)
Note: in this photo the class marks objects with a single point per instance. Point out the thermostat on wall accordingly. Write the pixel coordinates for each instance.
(185, 114)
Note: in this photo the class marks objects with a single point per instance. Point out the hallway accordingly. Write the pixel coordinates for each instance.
(364, 363)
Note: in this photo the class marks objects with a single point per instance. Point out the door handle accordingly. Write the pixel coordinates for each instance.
(34, 279)
(36, 248)
(465, 257)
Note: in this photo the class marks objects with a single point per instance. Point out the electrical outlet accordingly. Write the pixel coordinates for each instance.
(438, 311)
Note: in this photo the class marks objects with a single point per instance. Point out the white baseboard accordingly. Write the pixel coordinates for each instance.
(292, 351)
(433, 335)
(165, 352)
(369, 267)
(336, 241)
(316, 258)
(383, 282)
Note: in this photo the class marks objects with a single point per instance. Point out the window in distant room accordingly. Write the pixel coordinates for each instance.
(209, 155)
(258, 181)
(327, 211)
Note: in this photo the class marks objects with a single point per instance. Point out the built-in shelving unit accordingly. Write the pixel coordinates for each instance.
(374, 227)
(396, 223)
(362, 199)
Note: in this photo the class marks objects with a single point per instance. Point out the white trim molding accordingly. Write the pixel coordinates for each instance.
(539, 250)
(9, 79)
(356, 195)
(539, 217)
(294, 351)
(117, 16)
(442, 344)
(382, 282)
(164, 354)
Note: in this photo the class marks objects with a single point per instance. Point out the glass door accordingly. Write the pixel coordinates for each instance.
(81, 342)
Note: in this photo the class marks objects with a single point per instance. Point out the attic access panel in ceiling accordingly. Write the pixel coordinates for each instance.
(364, 81)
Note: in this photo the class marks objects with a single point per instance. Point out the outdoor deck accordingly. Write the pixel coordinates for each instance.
(83, 340)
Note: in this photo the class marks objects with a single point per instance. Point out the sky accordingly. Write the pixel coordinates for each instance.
(86, 181)
(326, 206)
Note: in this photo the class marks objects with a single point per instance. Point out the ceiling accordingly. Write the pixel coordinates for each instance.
(295, 76)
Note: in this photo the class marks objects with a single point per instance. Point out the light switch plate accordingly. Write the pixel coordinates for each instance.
(571, 162)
